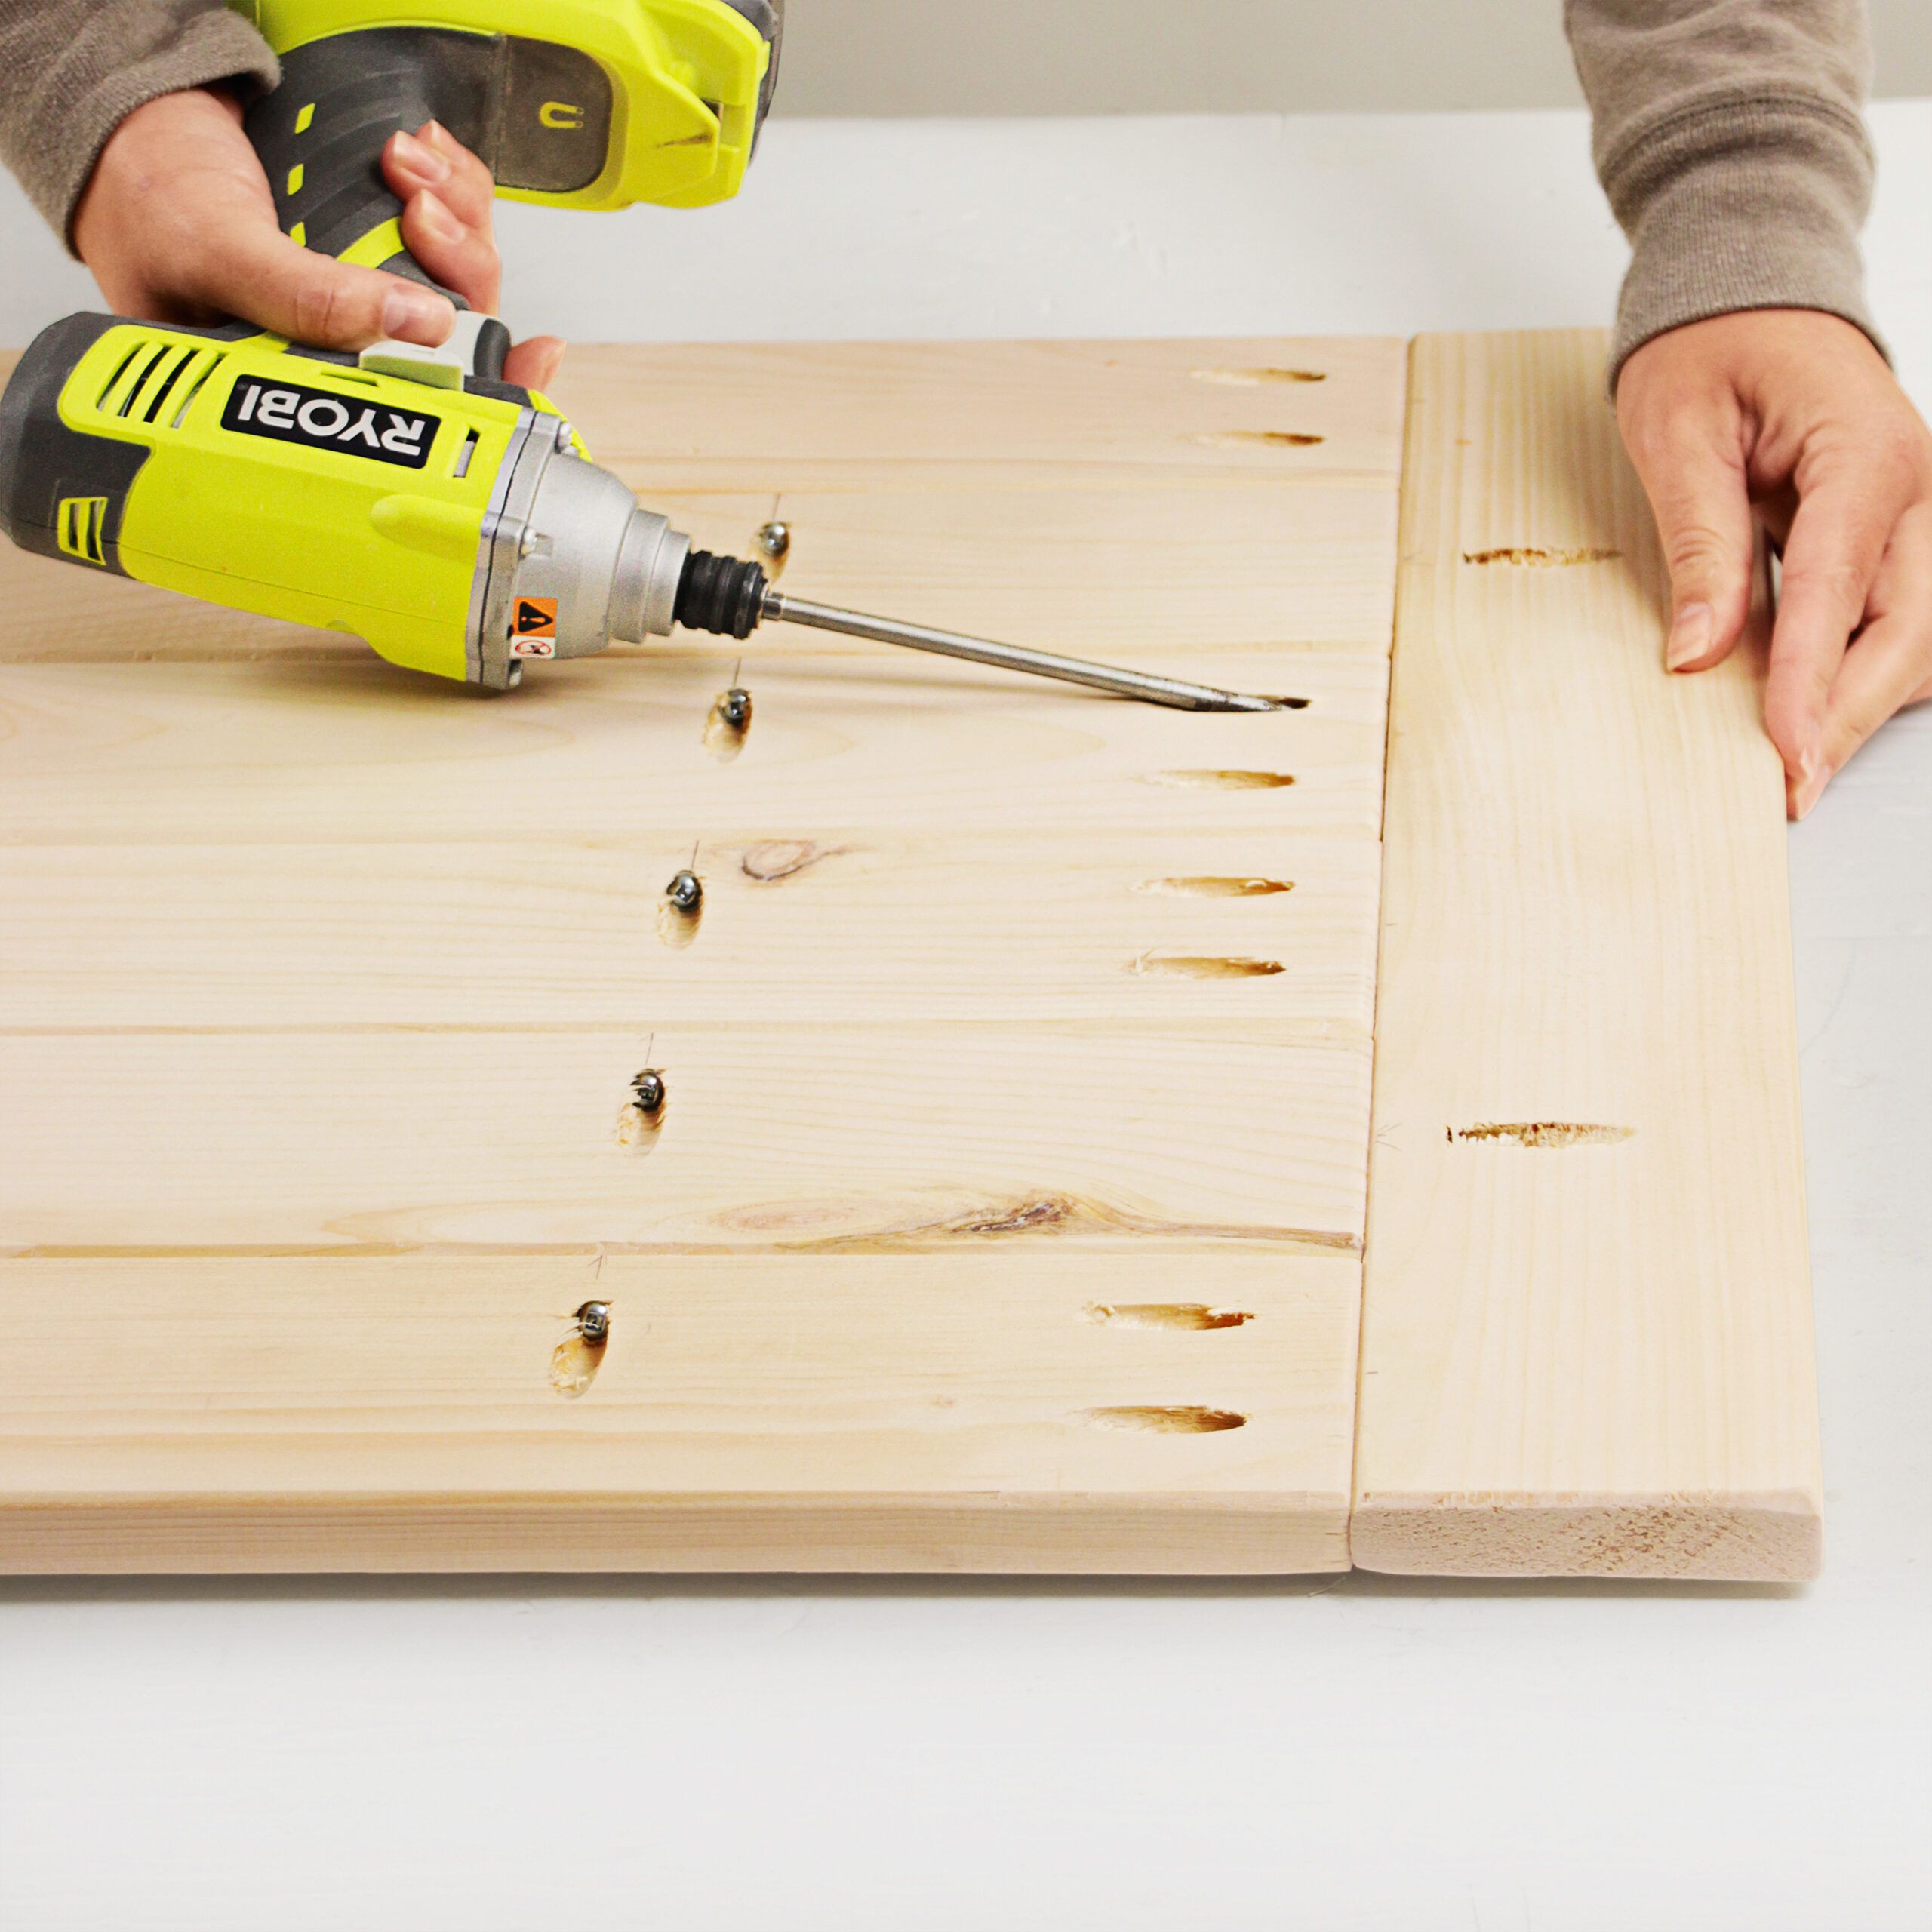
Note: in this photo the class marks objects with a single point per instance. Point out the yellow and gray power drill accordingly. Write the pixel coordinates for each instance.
(411, 496)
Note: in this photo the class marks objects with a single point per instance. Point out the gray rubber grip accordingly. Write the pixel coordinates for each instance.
(321, 135)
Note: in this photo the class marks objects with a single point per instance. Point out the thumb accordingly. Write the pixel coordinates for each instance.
(1698, 494)
(258, 273)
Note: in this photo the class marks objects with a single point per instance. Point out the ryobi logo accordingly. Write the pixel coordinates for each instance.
(291, 414)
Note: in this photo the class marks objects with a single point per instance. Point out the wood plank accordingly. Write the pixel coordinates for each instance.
(707, 416)
(1587, 1344)
(1007, 1208)
(851, 1136)
(1114, 1412)
(1026, 416)
(1018, 926)
(1071, 451)
(352, 752)
(1076, 570)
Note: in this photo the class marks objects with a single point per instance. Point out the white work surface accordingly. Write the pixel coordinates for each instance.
(1364, 1756)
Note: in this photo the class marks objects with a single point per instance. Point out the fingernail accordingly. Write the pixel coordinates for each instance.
(421, 159)
(416, 314)
(436, 217)
(1690, 636)
(1808, 783)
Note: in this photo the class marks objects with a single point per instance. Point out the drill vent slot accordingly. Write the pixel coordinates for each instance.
(82, 528)
(132, 394)
(464, 456)
(153, 412)
(121, 369)
(196, 383)
(152, 376)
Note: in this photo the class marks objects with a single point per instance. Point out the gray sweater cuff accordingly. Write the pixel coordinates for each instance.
(118, 57)
(1749, 205)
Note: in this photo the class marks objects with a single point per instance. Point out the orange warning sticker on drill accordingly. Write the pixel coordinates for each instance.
(536, 617)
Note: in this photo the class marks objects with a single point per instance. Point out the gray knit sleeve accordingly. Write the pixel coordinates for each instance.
(1728, 136)
(70, 70)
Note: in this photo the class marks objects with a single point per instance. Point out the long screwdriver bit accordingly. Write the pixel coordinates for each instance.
(775, 607)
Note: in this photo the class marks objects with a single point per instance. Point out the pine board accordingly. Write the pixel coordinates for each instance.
(1296, 560)
(1587, 1336)
(228, 753)
(817, 1413)
(1028, 416)
(916, 924)
(775, 1138)
(1007, 1211)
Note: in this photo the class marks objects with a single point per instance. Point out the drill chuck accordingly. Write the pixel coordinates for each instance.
(720, 594)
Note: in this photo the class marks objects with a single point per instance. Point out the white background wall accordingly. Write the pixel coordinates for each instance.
(1214, 57)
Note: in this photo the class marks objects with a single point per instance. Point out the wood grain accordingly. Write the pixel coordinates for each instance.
(1006, 1208)
(776, 1137)
(1028, 416)
(1049, 492)
(847, 1413)
(1586, 1345)
(1084, 570)
(1024, 925)
(353, 752)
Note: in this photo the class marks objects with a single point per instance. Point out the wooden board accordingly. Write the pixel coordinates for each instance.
(1586, 1346)
(1290, 565)
(1023, 416)
(228, 754)
(810, 1412)
(1007, 1208)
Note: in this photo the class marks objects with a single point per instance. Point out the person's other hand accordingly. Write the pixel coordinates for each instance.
(1790, 417)
(178, 224)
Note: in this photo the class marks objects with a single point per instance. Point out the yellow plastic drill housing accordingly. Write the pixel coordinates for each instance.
(232, 469)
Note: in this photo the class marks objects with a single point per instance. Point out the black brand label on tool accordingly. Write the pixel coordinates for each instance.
(348, 424)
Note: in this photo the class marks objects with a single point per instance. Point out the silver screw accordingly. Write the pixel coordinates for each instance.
(685, 891)
(593, 1321)
(647, 1092)
(564, 433)
(774, 539)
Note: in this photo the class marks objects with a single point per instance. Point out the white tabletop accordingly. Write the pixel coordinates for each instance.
(1359, 1755)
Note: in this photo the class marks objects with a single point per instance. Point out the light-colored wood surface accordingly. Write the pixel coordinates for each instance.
(1085, 569)
(1586, 1346)
(1053, 492)
(912, 924)
(957, 1411)
(863, 1134)
(1026, 416)
(349, 752)
(1006, 1209)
